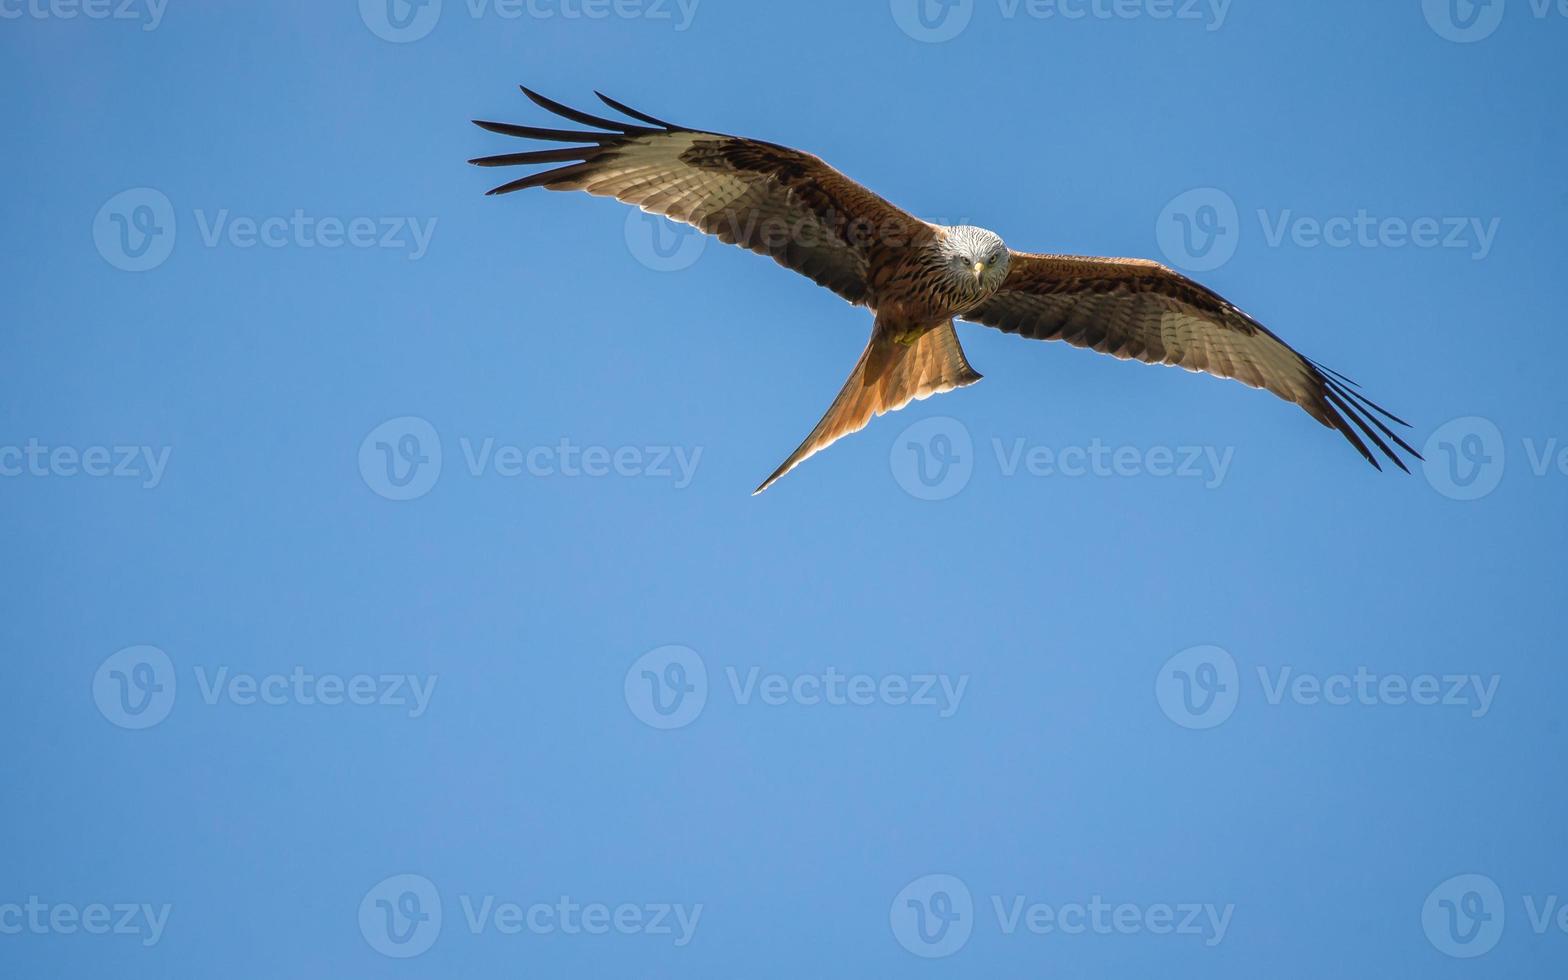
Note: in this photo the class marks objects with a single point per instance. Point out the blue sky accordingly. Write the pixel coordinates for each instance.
(387, 597)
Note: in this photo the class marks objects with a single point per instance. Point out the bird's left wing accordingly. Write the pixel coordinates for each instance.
(1133, 309)
(767, 198)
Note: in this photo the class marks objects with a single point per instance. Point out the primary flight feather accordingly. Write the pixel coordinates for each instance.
(917, 278)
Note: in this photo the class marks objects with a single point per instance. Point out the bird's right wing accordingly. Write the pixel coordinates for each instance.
(1135, 309)
(767, 198)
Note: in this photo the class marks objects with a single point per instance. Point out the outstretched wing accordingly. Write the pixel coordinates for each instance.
(770, 199)
(1130, 308)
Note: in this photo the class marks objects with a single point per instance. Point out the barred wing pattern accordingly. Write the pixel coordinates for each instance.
(767, 198)
(1133, 309)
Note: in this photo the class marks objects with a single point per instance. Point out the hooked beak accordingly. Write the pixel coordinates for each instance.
(979, 271)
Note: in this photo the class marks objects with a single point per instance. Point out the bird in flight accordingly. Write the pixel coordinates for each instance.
(917, 278)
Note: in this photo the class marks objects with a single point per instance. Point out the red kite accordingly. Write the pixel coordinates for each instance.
(917, 278)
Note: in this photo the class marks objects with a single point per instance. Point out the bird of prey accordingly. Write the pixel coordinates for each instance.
(917, 278)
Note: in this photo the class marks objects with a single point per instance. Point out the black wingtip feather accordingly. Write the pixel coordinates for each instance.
(1347, 409)
(1329, 370)
(1390, 433)
(627, 110)
(552, 135)
(566, 154)
(567, 112)
(1344, 402)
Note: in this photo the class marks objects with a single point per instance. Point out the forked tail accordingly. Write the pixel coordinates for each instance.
(889, 375)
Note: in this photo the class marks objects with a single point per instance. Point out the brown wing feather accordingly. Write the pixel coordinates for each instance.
(1133, 309)
(767, 198)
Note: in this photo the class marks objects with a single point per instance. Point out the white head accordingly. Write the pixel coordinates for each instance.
(975, 259)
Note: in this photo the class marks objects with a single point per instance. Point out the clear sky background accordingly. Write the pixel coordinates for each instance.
(1139, 654)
